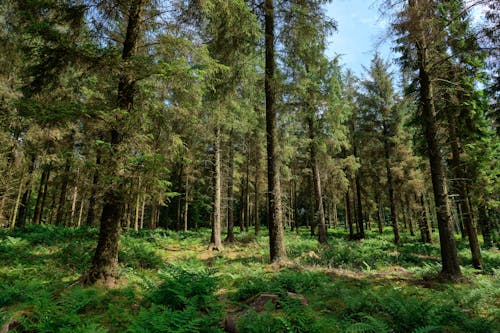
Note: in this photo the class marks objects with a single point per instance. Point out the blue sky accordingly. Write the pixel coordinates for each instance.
(360, 32)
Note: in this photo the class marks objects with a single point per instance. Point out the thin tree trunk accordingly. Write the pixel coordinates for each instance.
(410, 216)
(143, 208)
(390, 186)
(186, 203)
(425, 231)
(247, 187)
(485, 225)
(73, 205)
(322, 234)
(79, 224)
(18, 203)
(349, 214)
(461, 186)
(230, 192)
(257, 192)
(93, 192)
(216, 242)
(62, 193)
(42, 194)
(380, 218)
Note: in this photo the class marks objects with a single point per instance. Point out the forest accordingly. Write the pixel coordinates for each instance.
(208, 166)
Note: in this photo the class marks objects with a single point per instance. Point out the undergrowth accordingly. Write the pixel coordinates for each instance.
(170, 283)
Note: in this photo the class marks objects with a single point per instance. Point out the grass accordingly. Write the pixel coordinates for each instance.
(170, 283)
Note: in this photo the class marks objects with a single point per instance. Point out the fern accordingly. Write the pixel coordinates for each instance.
(427, 329)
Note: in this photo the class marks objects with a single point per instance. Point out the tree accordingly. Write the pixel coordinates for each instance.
(105, 260)
(275, 216)
(421, 42)
(379, 100)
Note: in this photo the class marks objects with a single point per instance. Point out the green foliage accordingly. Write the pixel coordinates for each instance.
(291, 317)
(40, 266)
(183, 302)
(138, 253)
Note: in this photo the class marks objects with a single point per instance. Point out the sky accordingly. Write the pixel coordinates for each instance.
(361, 31)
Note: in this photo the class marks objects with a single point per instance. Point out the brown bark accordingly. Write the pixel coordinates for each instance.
(105, 260)
(425, 231)
(216, 241)
(62, 193)
(257, 193)
(276, 231)
(380, 217)
(230, 193)
(186, 203)
(450, 267)
(390, 185)
(461, 187)
(13, 219)
(42, 195)
(93, 192)
(357, 181)
(320, 212)
(349, 214)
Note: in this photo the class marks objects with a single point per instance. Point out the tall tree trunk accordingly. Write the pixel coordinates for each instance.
(450, 267)
(143, 209)
(410, 216)
(186, 203)
(349, 214)
(461, 186)
(137, 205)
(380, 217)
(425, 231)
(257, 193)
(230, 192)
(275, 221)
(390, 185)
(93, 192)
(216, 241)
(42, 194)
(79, 224)
(105, 260)
(322, 234)
(486, 228)
(24, 206)
(73, 206)
(62, 193)
(17, 204)
(357, 181)
(359, 207)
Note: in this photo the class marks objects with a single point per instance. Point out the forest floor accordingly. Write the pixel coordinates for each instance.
(169, 282)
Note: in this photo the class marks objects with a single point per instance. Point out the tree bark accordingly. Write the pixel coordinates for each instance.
(322, 234)
(42, 194)
(275, 220)
(450, 267)
(349, 214)
(216, 241)
(13, 219)
(93, 192)
(380, 217)
(257, 193)
(230, 192)
(62, 193)
(461, 186)
(105, 260)
(186, 203)
(390, 185)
